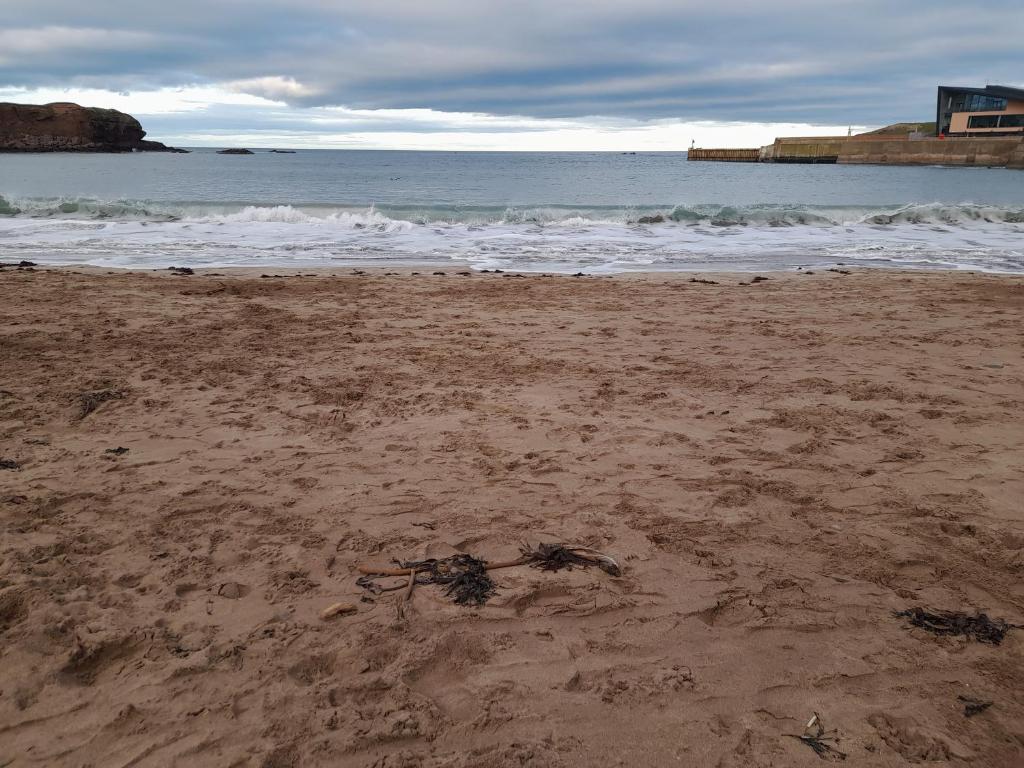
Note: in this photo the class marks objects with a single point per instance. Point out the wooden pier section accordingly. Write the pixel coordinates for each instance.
(725, 155)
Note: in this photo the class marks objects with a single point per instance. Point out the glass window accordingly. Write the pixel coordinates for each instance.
(1011, 121)
(976, 102)
(983, 121)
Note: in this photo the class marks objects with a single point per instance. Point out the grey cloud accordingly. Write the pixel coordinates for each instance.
(794, 60)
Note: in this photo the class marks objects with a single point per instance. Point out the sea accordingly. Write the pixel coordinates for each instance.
(530, 212)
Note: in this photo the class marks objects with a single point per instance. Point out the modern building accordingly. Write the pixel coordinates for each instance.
(995, 110)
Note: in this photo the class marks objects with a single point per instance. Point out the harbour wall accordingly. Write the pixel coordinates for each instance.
(1001, 152)
(875, 149)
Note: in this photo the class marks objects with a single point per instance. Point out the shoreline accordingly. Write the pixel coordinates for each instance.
(196, 466)
(451, 269)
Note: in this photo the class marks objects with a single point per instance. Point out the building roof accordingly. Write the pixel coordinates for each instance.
(1001, 91)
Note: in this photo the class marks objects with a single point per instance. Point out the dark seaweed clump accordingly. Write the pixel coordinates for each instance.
(465, 576)
(979, 627)
(556, 557)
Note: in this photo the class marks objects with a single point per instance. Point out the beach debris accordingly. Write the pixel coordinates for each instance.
(555, 557)
(841, 271)
(20, 265)
(439, 273)
(9, 464)
(367, 583)
(973, 706)
(466, 578)
(979, 627)
(407, 595)
(119, 451)
(703, 282)
(90, 401)
(820, 740)
(181, 270)
(759, 279)
(464, 274)
(337, 609)
(580, 274)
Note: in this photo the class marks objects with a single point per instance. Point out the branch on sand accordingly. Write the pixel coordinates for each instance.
(467, 578)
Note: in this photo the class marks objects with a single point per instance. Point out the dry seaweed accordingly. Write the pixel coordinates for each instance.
(9, 464)
(979, 627)
(817, 738)
(465, 576)
(556, 557)
(973, 706)
(90, 401)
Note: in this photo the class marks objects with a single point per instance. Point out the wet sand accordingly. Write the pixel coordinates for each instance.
(779, 467)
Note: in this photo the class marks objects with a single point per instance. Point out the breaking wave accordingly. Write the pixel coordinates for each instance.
(135, 233)
(377, 217)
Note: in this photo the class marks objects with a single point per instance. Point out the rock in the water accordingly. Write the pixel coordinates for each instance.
(156, 146)
(656, 219)
(66, 127)
(236, 151)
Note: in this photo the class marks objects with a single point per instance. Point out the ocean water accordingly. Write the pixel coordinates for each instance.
(557, 212)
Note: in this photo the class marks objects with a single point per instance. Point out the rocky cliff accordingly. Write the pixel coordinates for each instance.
(65, 127)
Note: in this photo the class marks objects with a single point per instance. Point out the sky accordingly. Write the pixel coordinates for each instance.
(641, 75)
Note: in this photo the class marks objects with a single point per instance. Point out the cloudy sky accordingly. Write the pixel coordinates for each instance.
(514, 74)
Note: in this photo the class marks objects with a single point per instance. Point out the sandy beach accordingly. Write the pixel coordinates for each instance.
(778, 466)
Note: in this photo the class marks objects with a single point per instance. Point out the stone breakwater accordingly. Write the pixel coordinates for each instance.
(66, 127)
(1005, 151)
(873, 149)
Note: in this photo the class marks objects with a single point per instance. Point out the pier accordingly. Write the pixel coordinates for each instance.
(725, 155)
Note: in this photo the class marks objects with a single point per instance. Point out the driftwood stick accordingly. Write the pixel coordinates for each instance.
(401, 601)
(337, 609)
(374, 570)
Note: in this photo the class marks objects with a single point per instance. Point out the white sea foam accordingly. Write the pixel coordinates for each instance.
(551, 238)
